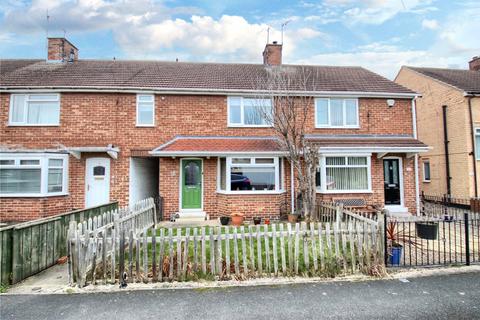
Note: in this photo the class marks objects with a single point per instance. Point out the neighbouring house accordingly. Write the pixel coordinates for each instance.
(448, 120)
(78, 133)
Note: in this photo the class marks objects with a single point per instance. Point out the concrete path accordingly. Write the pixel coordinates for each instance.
(453, 296)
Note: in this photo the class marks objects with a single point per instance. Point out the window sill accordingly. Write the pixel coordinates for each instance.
(250, 192)
(145, 126)
(343, 191)
(427, 181)
(249, 126)
(29, 195)
(33, 125)
(337, 127)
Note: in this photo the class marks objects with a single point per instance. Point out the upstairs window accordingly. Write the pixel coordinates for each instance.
(336, 113)
(248, 112)
(24, 175)
(35, 109)
(145, 110)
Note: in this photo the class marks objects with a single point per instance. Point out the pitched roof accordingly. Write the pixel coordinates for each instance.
(466, 80)
(199, 145)
(372, 142)
(158, 75)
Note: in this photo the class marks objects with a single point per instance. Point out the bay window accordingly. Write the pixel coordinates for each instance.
(248, 112)
(336, 113)
(248, 175)
(344, 174)
(24, 175)
(35, 109)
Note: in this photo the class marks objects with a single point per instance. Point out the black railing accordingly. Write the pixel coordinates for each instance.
(442, 236)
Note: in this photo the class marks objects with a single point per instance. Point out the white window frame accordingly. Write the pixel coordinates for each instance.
(323, 173)
(153, 110)
(329, 125)
(29, 98)
(43, 166)
(477, 136)
(279, 176)
(242, 121)
(429, 170)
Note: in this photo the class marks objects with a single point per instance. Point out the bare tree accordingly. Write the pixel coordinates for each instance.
(290, 115)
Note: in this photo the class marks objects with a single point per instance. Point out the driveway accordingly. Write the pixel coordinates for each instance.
(454, 296)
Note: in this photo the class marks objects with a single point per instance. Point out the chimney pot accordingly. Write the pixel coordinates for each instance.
(272, 55)
(61, 50)
(474, 64)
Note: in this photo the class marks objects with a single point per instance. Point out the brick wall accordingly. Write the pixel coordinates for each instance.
(99, 119)
(430, 131)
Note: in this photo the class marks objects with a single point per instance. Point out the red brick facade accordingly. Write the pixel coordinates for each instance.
(99, 119)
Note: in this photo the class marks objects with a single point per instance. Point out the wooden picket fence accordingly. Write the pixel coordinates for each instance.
(332, 212)
(225, 252)
(94, 241)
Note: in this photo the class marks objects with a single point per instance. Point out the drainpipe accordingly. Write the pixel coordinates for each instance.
(292, 189)
(473, 147)
(417, 183)
(447, 156)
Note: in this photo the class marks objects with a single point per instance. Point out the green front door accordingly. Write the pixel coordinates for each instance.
(191, 184)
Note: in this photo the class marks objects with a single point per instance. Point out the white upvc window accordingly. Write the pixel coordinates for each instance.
(35, 109)
(477, 143)
(336, 113)
(248, 112)
(145, 110)
(33, 174)
(246, 175)
(426, 171)
(344, 174)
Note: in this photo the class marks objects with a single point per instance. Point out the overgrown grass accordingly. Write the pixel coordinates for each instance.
(3, 288)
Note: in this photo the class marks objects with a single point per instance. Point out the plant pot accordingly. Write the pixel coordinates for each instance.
(292, 218)
(266, 221)
(395, 255)
(237, 219)
(427, 230)
(224, 220)
(257, 220)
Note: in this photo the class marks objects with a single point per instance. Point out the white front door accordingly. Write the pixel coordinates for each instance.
(97, 180)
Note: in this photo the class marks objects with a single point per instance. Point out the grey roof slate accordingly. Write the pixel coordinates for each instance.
(183, 75)
(466, 80)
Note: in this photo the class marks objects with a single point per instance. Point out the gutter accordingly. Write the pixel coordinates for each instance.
(472, 153)
(190, 91)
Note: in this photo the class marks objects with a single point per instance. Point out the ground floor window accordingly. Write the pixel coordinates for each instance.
(344, 174)
(246, 174)
(33, 174)
(426, 171)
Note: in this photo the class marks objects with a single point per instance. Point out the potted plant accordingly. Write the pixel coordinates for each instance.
(237, 219)
(257, 220)
(225, 220)
(395, 238)
(292, 217)
(427, 229)
(266, 221)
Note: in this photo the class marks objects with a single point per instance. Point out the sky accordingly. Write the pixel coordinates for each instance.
(381, 35)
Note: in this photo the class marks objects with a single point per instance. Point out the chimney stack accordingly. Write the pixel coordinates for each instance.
(272, 55)
(61, 50)
(474, 64)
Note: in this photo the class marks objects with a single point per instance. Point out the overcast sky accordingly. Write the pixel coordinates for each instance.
(381, 35)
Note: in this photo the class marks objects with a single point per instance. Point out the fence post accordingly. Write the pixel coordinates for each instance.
(382, 225)
(467, 240)
(338, 217)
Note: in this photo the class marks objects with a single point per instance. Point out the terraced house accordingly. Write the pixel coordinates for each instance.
(78, 133)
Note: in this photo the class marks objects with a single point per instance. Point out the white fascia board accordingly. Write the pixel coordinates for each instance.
(190, 91)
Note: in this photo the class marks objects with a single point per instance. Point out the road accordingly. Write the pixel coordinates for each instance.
(436, 297)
